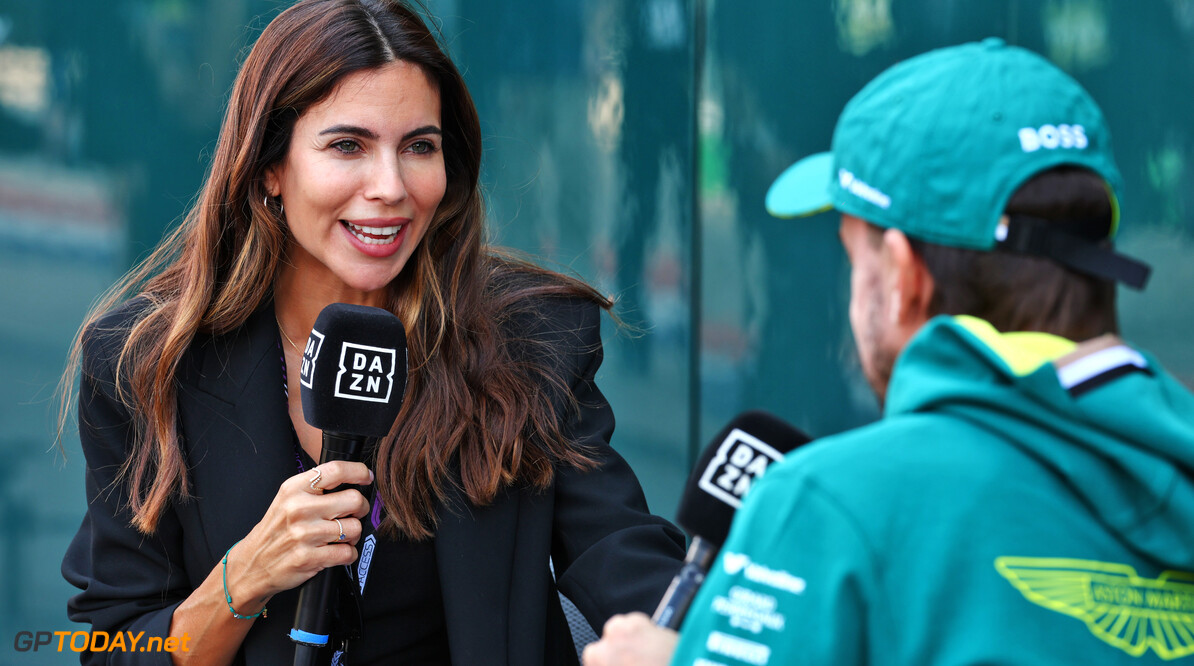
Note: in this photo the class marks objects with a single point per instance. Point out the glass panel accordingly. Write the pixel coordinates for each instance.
(775, 332)
(108, 114)
(586, 112)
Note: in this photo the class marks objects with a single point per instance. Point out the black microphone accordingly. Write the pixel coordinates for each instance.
(352, 382)
(732, 462)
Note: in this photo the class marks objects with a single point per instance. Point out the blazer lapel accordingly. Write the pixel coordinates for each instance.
(236, 429)
(476, 567)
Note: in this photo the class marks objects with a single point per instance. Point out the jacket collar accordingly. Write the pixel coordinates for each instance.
(238, 441)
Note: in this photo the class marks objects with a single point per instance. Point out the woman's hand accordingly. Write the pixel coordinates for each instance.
(300, 534)
(297, 538)
(632, 640)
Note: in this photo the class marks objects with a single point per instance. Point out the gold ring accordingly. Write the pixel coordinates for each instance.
(343, 536)
(318, 476)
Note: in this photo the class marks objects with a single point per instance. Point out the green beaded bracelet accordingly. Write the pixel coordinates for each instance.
(228, 597)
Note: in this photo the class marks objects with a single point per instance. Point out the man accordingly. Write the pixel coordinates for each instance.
(1028, 496)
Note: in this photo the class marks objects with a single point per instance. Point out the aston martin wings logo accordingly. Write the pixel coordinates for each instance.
(1119, 607)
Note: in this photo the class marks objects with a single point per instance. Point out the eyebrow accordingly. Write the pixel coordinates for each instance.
(370, 134)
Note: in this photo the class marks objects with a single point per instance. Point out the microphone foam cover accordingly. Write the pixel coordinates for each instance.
(732, 462)
(353, 375)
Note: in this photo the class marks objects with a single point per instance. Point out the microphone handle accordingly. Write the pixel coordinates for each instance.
(674, 605)
(312, 620)
(344, 447)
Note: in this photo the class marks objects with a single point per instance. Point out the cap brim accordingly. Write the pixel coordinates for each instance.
(803, 188)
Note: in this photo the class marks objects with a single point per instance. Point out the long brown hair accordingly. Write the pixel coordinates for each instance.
(477, 397)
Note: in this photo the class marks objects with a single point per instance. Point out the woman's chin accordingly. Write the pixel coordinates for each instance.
(370, 288)
(366, 287)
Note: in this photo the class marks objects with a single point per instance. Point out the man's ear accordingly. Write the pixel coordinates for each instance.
(910, 285)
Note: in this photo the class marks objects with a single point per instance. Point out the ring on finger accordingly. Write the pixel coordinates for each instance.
(343, 536)
(318, 476)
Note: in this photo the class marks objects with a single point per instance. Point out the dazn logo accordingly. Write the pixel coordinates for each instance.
(366, 373)
(740, 461)
(310, 355)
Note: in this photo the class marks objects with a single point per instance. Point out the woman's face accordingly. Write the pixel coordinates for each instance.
(362, 179)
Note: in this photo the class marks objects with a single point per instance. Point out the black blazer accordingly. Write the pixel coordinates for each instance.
(500, 602)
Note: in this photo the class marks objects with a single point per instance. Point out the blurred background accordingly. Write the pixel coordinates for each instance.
(628, 141)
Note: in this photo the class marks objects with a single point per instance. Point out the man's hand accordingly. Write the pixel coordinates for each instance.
(632, 640)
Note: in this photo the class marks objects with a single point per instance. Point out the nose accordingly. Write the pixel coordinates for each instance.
(385, 182)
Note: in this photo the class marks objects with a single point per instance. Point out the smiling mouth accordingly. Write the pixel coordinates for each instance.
(373, 235)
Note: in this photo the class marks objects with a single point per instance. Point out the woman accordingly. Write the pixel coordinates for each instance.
(346, 171)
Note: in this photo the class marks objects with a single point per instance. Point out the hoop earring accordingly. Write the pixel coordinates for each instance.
(281, 206)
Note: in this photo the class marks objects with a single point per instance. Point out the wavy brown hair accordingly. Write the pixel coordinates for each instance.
(478, 399)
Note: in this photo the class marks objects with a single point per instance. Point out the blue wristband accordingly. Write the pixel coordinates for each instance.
(308, 638)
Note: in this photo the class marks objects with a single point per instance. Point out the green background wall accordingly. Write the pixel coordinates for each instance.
(630, 141)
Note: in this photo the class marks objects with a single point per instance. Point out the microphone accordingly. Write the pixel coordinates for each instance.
(732, 462)
(352, 382)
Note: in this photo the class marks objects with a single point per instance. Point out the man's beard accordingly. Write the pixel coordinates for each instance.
(877, 362)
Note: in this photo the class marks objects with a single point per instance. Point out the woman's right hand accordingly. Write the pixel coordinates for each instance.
(299, 535)
(296, 539)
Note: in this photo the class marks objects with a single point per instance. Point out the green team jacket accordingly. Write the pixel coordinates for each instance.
(1024, 500)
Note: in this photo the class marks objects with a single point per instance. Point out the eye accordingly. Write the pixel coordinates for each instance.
(423, 147)
(347, 146)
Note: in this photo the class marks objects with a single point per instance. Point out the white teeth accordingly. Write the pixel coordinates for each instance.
(376, 231)
(389, 233)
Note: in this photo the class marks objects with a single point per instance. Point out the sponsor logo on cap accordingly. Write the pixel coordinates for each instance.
(1052, 137)
(862, 190)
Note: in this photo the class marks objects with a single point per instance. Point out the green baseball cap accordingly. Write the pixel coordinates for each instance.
(937, 144)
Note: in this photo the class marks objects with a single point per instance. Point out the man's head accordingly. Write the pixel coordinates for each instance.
(978, 180)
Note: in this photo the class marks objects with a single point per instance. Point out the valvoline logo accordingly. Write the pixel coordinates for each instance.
(740, 563)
